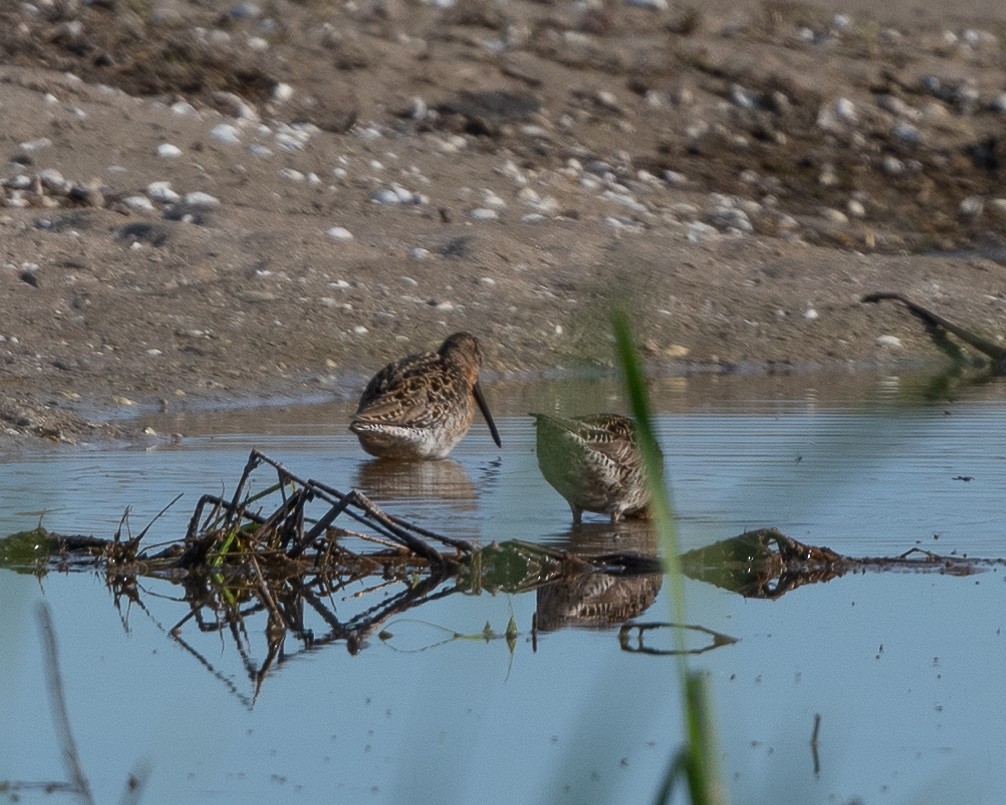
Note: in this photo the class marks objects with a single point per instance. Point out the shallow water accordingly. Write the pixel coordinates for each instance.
(900, 666)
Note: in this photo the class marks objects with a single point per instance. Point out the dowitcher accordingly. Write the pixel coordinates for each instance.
(420, 406)
(594, 462)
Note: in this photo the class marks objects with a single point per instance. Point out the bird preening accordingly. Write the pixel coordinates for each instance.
(421, 406)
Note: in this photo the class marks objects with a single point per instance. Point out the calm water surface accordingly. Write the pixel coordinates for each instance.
(903, 668)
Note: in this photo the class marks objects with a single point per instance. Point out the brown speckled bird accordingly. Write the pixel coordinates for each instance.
(594, 462)
(419, 407)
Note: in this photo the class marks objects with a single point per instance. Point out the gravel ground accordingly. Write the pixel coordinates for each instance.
(209, 201)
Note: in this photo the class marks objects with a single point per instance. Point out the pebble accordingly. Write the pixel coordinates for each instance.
(483, 214)
(491, 200)
(139, 203)
(340, 233)
(907, 133)
(36, 145)
(235, 106)
(892, 165)
(396, 194)
(699, 232)
(731, 219)
(162, 192)
(226, 133)
(972, 206)
(183, 108)
(201, 199)
(888, 341)
(53, 181)
(168, 151)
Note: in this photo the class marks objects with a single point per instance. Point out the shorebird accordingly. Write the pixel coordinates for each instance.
(594, 462)
(419, 407)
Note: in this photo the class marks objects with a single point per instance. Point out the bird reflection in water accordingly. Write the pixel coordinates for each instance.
(600, 599)
(389, 480)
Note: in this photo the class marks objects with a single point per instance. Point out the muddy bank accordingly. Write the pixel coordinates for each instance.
(218, 204)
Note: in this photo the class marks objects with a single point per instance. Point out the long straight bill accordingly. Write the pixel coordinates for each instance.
(477, 391)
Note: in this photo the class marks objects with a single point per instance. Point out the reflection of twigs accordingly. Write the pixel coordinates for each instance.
(718, 639)
(60, 716)
(813, 744)
(246, 701)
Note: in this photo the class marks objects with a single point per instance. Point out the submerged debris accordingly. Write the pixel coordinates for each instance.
(765, 563)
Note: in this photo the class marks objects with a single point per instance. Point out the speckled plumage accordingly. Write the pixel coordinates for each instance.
(594, 462)
(419, 407)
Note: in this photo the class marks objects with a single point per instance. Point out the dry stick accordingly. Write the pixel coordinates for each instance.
(218, 504)
(254, 459)
(995, 352)
(461, 544)
(319, 527)
(414, 544)
(263, 590)
(60, 717)
(157, 517)
(323, 491)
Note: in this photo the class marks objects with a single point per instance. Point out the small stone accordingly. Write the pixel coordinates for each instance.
(89, 195)
(168, 151)
(183, 108)
(888, 341)
(491, 200)
(52, 180)
(972, 206)
(892, 165)
(907, 133)
(235, 106)
(483, 214)
(36, 145)
(162, 192)
(340, 233)
(138, 203)
(226, 133)
(200, 199)
(810, 314)
(998, 207)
